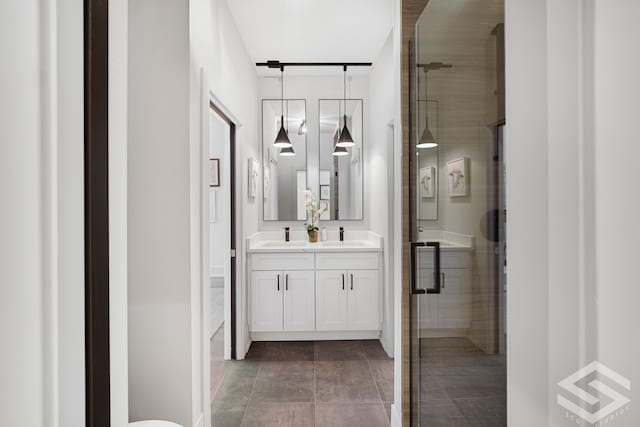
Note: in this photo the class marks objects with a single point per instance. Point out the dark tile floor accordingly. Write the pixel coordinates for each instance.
(323, 383)
(461, 385)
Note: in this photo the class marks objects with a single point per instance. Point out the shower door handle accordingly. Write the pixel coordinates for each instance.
(414, 267)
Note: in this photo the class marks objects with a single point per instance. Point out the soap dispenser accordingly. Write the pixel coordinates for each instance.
(323, 234)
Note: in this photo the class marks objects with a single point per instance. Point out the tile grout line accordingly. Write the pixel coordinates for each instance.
(315, 386)
(377, 388)
(253, 386)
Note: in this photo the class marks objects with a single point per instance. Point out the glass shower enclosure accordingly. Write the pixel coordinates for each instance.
(457, 216)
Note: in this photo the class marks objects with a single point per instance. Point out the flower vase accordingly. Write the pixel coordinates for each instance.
(313, 236)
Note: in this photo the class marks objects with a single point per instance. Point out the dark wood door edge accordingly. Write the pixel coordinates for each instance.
(96, 215)
(232, 189)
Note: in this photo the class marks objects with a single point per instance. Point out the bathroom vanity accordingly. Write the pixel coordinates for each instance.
(314, 291)
(449, 313)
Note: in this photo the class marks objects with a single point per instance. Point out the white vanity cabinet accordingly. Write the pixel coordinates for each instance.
(348, 291)
(304, 296)
(282, 301)
(449, 312)
(347, 300)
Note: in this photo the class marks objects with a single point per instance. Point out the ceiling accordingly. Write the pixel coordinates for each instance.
(312, 30)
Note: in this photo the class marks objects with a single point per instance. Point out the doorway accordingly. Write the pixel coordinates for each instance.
(220, 210)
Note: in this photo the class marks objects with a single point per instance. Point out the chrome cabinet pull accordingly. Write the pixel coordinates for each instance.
(352, 282)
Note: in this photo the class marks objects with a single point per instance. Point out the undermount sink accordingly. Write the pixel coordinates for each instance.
(348, 243)
(276, 244)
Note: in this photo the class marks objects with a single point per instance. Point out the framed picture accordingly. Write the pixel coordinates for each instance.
(214, 172)
(458, 177)
(427, 182)
(326, 215)
(266, 182)
(325, 192)
(254, 173)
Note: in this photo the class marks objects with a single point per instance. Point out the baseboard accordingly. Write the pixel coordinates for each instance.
(388, 347)
(396, 416)
(200, 421)
(315, 336)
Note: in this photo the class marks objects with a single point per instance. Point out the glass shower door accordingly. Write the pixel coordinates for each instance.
(457, 217)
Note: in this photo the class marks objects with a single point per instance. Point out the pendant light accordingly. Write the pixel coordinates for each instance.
(338, 150)
(345, 139)
(282, 139)
(287, 151)
(426, 139)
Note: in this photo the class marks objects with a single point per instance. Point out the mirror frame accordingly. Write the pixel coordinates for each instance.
(362, 152)
(306, 153)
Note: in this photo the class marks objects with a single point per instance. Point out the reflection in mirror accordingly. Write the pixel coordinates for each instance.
(284, 176)
(341, 180)
(427, 171)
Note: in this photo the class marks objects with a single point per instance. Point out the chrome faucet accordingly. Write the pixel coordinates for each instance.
(342, 234)
(286, 234)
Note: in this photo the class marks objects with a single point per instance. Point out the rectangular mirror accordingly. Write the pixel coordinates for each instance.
(341, 183)
(284, 177)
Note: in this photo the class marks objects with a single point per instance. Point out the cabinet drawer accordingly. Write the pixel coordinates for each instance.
(447, 259)
(282, 261)
(348, 261)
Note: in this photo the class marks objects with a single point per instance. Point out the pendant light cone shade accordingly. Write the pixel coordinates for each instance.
(282, 139)
(427, 140)
(345, 140)
(287, 152)
(340, 151)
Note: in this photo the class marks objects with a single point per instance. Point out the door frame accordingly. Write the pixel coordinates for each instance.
(232, 318)
(96, 214)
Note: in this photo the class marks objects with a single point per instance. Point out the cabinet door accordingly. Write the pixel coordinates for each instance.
(363, 300)
(266, 301)
(454, 305)
(331, 300)
(427, 304)
(299, 301)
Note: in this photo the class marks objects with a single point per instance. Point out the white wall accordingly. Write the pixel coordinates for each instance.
(41, 254)
(220, 69)
(572, 233)
(381, 113)
(118, 111)
(159, 253)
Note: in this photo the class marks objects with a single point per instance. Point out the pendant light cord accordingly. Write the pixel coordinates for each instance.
(345, 94)
(281, 94)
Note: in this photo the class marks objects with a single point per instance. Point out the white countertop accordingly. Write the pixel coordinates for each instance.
(268, 242)
(449, 241)
(270, 246)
